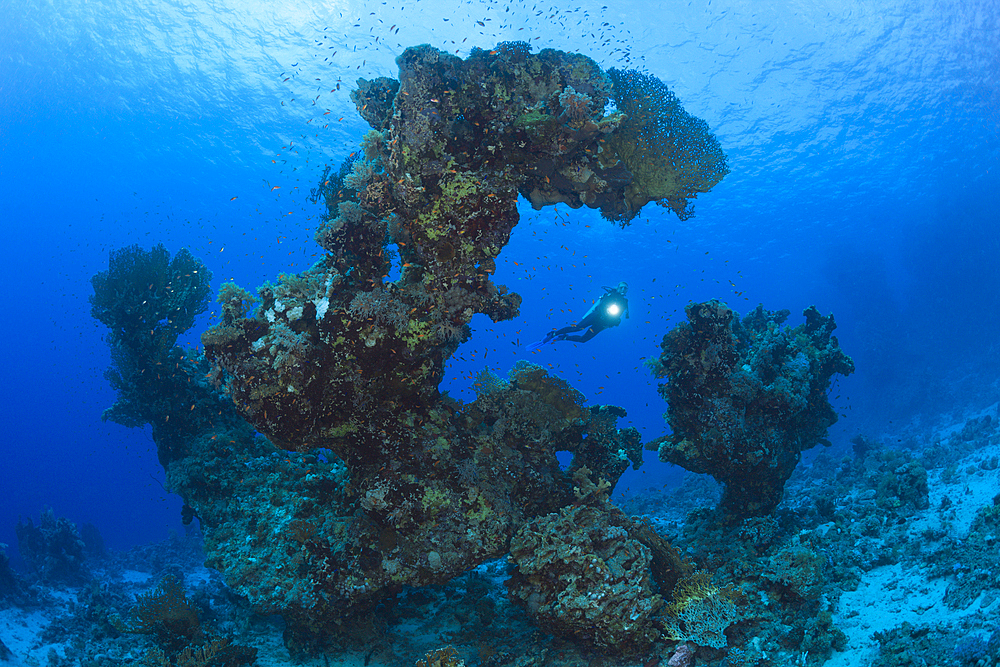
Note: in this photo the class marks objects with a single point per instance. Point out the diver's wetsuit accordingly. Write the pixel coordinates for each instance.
(604, 314)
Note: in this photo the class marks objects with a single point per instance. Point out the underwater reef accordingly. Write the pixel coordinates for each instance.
(326, 469)
(310, 439)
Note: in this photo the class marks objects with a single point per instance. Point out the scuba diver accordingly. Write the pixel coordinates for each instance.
(606, 313)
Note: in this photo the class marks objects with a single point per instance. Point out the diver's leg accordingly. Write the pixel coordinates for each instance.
(568, 330)
(589, 320)
(590, 333)
(562, 333)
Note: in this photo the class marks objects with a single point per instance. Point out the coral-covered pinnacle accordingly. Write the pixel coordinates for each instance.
(745, 399)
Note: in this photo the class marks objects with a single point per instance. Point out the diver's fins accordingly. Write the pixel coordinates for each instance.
(537, 345)
(540, 344)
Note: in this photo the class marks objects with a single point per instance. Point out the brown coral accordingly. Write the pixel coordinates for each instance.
(581, 572)
(442, 657)
(166, 614)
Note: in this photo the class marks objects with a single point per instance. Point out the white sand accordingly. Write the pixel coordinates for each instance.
(20, 631)
(890, 595)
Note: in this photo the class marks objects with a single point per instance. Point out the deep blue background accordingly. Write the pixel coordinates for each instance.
(863, 141)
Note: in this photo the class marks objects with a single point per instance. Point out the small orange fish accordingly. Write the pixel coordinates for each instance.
(232, 198)
(275, 188)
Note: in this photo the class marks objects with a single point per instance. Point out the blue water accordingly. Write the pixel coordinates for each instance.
(863, 140)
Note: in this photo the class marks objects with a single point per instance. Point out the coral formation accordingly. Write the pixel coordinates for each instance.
(799, 569)
(166, 614)
(909, 644)
(442, 657)
(439, 179)
(582, 572)
(671, 155)
(146, 300)
(441, 494)
(745, 399)
(215, 653)
(8, 580)
(900, 481)
(374, 100)
(700, 612)
(972, 560)
(384, 482)
(171, 620)
(487, 381)
(52, 550)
